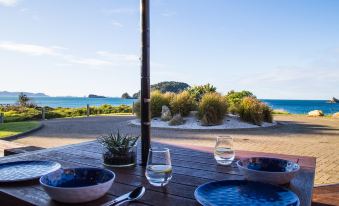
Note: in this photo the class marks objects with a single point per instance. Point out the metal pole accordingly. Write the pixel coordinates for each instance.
(88, 110)
(133, 108)
(2, 118)
(43, 113)
(145, 80)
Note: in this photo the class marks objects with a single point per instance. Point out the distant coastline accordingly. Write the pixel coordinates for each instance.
(16, 94)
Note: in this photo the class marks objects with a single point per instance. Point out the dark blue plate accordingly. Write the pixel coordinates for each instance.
(242, 192)
(26, 170)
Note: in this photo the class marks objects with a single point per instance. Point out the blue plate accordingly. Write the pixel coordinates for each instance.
(242, 192)
(26, 170)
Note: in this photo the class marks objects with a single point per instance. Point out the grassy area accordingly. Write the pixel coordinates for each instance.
(13, 128)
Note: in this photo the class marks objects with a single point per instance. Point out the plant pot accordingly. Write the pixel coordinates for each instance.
(120, 159)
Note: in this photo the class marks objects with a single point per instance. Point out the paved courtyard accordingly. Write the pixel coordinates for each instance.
(296, 135)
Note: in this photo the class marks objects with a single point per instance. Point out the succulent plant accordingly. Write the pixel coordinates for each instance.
(118, 143)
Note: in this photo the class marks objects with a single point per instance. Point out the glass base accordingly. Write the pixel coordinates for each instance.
(158, 184)
(224, 162)
(111, 165)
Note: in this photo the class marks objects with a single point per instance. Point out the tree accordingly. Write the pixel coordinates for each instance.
(23, 100)
(125, 96)
(198, 91)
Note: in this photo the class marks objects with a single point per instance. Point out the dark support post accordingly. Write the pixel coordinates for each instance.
(88, 110)
(43, 113)
(145, 80)
(133, 108)
(2, 118)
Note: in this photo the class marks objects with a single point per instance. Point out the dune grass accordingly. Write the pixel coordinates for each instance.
(13, 128)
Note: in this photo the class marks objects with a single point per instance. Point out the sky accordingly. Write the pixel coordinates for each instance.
(282, 49)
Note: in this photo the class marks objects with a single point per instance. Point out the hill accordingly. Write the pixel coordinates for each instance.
(167, 86)
(16, 94)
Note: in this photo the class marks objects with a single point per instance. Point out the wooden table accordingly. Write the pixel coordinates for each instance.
(191, 167)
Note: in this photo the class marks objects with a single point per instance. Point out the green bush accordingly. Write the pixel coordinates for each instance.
(267, 113)
(158, 100)
(198, 91)
(212, 109)
(22, 114)
(19, 113)
(234, 100)
(251, 110)
(182, 104)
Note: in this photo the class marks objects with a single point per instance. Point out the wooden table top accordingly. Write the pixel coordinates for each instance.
(192, 167)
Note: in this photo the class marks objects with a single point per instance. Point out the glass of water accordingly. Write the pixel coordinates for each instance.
(223, 150)
(159, 167)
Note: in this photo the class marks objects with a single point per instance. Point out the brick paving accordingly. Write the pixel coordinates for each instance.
(296, 135)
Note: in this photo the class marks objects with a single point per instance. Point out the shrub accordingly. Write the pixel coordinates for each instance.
(182, 104)
(234, 100)
(18, 113)
(267, 113)
(198, 91)
(212, 109)
(158, 100)
(250, 110)
(23, 114)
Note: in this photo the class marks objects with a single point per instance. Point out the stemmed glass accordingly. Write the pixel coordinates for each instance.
(223, 150)
(159, 167)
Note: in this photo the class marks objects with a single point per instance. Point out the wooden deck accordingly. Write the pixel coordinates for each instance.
(4, 145)
(191, 168)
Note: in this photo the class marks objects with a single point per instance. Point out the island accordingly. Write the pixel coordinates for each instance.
(15, 94)
(167, 86)
(95, 96)
(126, 96)
(333, 100)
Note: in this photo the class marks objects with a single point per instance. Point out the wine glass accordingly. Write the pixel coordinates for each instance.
(159, 167)
(223, 150)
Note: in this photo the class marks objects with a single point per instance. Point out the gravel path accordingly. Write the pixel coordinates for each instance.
(296, 135)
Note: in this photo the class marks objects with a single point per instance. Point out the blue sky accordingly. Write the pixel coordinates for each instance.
(283, 49)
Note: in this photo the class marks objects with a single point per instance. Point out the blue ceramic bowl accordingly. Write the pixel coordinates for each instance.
(269, 170)
(77, 185)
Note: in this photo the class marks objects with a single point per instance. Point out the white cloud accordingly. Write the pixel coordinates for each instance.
(119, 59)
(30, 49)
(116, 24)
(103, 58)
(8, 2)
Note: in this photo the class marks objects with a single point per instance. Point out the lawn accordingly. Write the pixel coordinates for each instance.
(13, 128)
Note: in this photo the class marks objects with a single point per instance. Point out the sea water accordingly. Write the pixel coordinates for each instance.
(291, 106)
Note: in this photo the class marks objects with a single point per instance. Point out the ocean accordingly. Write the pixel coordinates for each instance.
(291, 106)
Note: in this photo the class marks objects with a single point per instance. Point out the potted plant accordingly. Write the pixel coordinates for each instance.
(120, 150)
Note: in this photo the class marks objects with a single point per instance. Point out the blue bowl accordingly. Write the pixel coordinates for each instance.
(269, 170)
(77, 185)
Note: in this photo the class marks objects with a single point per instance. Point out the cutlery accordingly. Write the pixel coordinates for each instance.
(136, 194)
